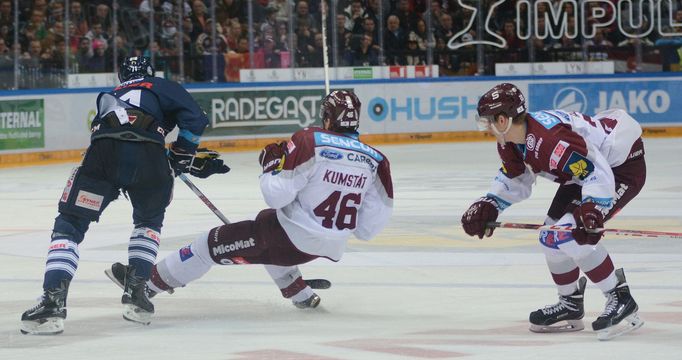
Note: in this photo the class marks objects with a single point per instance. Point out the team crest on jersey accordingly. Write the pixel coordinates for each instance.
(578, 166)
(530, 142)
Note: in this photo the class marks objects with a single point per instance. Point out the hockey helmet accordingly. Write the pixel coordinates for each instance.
(502, 98)
(135, 67)
(342, 108)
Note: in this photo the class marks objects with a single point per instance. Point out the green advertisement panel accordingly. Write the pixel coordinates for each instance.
(260, 112)
(22, 124)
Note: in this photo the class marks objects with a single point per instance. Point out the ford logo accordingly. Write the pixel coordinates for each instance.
(330, 154)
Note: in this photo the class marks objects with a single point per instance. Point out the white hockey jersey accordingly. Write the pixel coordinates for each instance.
(331, 186)
(567, 148)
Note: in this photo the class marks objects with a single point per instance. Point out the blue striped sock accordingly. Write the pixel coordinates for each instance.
(142, 250)
(62, 260)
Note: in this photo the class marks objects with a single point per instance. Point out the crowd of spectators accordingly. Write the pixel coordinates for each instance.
(368, 33)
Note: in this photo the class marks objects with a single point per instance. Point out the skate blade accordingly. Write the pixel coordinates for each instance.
(563, 326)
(51, 326)
(631, 323)
(136, 314)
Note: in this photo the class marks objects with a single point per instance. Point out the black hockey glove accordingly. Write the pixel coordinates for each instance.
(588, 218)
(479, 213)
(179, 159)
(206, 163)
(272, 156)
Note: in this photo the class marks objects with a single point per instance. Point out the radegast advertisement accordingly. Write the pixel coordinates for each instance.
(22, 124)
(647, 100)
(431, 107)
(260, 112)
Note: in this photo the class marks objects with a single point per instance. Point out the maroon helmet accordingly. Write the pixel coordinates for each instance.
(503, 98)
(342, 107)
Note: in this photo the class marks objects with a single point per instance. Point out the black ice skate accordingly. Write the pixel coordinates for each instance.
(564, 316)
(47, 318)
(619, 306)
(136, 304)
(310, 303)
(117, 274)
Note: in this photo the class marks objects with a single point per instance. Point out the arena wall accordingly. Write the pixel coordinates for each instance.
(38, 126)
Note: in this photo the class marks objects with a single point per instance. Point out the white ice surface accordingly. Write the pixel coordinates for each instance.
(421, 290)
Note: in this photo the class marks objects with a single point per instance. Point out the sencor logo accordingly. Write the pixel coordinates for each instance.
(570, 99)
(330, 154)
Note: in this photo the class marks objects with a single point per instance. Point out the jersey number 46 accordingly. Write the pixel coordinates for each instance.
(347, 212)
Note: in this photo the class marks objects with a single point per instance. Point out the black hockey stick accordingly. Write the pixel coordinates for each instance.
(313, 283)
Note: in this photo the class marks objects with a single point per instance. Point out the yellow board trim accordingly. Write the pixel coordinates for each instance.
(63, 156)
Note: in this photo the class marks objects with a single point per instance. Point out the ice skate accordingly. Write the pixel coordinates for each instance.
(117, 274)
(136, 304)
(564, 316)
(47, 318)
(310, 303)
(620, 315)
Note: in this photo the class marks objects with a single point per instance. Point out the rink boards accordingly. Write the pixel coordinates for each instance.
(48, 125)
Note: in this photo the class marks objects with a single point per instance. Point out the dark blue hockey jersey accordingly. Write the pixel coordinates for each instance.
(147, 109)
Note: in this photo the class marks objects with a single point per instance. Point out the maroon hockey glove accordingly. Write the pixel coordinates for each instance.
(588, 218)
(272, 156)
(479, 213)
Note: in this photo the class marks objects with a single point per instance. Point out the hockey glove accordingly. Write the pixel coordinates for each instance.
(479, 213)
(179, 159)
(206, 163)
(272, 156)
(588, 218)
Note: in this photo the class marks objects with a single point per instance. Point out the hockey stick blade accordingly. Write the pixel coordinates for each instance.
(318, 283)
(638, 233)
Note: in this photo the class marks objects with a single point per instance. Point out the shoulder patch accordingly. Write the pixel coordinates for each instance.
(545, 119)
(578, 166)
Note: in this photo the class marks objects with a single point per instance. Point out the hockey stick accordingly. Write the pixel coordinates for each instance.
(313, 283)
(640, 233)
(203, 198)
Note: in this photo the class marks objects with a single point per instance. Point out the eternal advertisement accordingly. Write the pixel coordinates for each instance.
(22, 124)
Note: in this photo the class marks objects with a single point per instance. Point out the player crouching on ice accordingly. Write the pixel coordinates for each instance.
(323, 185)
(599, 163)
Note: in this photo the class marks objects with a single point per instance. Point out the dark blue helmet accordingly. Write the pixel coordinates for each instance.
(135, 67)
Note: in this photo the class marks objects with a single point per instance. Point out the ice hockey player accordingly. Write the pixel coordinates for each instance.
(322, 186)
(599, 163)
(126, 154)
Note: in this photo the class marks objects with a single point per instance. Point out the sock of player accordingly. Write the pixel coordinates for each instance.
(142, 250)
(290, 282)
(62, 260)
(182, 267)
(599, 268)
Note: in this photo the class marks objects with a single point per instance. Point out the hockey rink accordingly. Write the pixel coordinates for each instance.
(421, 290)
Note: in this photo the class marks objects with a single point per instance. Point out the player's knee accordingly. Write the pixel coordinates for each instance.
(72, 226)
(199, 247)
(233, 244)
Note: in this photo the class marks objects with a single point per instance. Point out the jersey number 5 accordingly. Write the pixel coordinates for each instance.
(346, 215)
